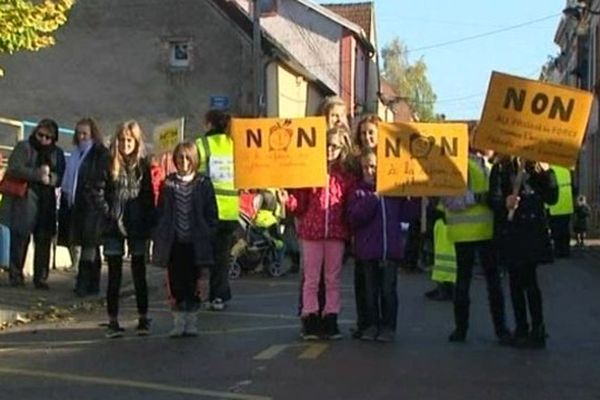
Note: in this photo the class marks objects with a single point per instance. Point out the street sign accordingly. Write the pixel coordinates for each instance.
(219, 102)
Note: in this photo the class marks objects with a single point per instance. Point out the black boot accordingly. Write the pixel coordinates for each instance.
(520, 337)
(433, 293)
(331, 330)
(461, 321)
(310, 327)
(83, 278)
(537, 337)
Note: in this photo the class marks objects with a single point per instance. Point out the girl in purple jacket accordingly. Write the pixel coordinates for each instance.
(380, 226)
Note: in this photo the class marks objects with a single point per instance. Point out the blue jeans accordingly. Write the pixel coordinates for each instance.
(116, 247)
(4, 247)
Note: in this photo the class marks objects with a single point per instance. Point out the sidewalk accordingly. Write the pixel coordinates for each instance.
(24, 304)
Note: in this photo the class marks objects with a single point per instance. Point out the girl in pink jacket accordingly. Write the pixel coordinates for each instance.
(322, 231)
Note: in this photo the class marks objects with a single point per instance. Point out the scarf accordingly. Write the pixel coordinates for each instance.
(71, 176)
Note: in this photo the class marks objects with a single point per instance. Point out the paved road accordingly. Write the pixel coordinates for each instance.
(251, 350)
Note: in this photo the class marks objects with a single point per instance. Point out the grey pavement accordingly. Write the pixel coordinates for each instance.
(27, 303)
(252, 351)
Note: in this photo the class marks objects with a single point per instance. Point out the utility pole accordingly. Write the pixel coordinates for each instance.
(257, 60)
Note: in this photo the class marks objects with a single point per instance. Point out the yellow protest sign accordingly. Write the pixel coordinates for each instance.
(535, 120)
(422, 159)
(166, 136)
(286, 153)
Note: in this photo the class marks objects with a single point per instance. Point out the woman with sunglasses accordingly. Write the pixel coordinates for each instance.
(39, 163)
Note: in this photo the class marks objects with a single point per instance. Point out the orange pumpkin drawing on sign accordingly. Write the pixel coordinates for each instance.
(280, 136)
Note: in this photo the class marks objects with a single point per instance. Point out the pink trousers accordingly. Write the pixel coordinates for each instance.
(318, 254)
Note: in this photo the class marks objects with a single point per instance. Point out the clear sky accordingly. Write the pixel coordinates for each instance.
(460, 72)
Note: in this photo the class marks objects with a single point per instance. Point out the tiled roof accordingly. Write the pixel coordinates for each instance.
(359, 13)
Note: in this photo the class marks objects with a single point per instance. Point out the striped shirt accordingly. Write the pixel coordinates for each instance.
(183, 210)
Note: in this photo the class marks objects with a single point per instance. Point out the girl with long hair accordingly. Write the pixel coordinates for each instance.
(131, 215)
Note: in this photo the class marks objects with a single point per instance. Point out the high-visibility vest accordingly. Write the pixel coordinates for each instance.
(564, 205)
(216, 162)
(476, 222)
(444, 254)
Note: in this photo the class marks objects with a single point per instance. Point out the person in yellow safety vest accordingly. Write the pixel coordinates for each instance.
(215, 150)
(444, 261)
(470, 224)
(561, 212)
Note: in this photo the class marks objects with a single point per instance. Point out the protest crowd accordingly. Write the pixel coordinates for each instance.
(108, 203)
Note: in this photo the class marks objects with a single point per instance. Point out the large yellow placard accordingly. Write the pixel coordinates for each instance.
(422, 159)
(535, 120)
(285, 153)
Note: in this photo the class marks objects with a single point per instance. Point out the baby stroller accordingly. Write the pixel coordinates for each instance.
(260, 247)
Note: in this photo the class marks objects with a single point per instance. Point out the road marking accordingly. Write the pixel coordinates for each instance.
(311, 351)
(279, 283)
(131, 383)
(275, 294)
(314, 351)
(252, 315)
(271, 352)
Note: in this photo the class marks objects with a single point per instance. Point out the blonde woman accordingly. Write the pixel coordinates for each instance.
(131, 215)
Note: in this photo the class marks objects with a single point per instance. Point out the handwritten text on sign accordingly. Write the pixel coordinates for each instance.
(168, 135)
(422, 159)
(535, 120)
(270, 152)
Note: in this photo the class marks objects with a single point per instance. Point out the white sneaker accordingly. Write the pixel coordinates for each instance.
(217, 304)
(178, 324)
(191, 324)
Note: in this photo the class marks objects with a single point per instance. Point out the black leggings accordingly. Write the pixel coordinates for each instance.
(115, 272)
(525, 291)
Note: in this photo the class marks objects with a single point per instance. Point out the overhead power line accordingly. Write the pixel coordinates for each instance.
(496, 31)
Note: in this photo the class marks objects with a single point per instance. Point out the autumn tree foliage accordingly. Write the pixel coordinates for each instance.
(409, 79)
(29, 25)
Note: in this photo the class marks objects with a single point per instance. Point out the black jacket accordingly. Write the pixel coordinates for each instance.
(522, 240)
(204, 225)
(90, 212)
(131, 217)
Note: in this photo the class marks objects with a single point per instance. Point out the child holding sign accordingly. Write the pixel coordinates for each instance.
(519, 190)
(364, 140)
(322, 231)
(380, 227)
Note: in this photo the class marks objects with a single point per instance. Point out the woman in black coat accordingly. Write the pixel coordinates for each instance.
(83, 194)
(519, 190)
(131, 217)
(40, 163)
